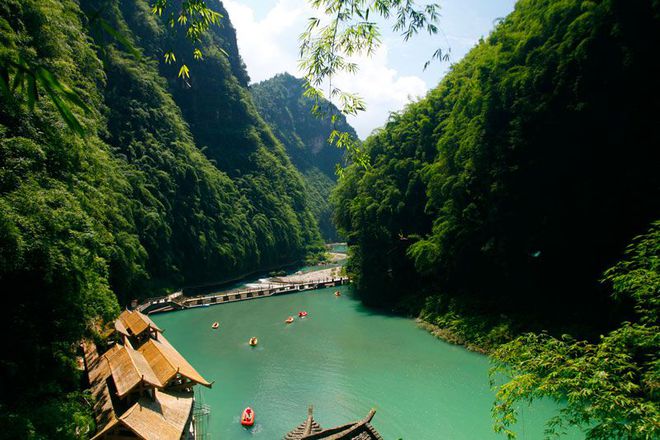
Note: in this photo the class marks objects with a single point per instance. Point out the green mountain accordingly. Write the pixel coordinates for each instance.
(530, 164)
(177, 182)
(281, 103)
(496, 205)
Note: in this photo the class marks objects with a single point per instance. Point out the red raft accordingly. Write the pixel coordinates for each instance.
(302, 314)
(247, 419)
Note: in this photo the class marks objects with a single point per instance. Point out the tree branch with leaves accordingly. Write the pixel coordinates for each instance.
(195, 17)
(327, 47)
(612, 387)
(349, 29)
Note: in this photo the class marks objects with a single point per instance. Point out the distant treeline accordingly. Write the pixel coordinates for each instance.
(281, 102)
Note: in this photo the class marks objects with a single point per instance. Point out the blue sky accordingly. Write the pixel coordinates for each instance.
(268, 33)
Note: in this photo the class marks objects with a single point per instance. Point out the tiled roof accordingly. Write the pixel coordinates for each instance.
(163, 418)
(128, 368)
(134, 322)
(360, 430)
(166, 362)
(309, 426)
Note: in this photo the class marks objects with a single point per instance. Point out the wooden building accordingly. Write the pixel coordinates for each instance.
(137, 327)
(143, 387)
(168, 416)
(311, 430)
(171, 369)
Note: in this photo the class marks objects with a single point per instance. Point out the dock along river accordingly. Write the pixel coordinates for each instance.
(342, 358)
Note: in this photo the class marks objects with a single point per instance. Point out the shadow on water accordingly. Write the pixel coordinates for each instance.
(370, 310)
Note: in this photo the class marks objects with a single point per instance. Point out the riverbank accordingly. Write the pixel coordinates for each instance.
(307, 277)
(336, 257)
(476, 331)
(214, 286)
(451, 336)
(333, 257)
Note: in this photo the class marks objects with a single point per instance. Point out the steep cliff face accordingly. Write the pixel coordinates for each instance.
(173, 184)
(225, 125)
(281, 103)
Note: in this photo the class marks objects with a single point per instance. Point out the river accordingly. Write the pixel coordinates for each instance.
(344, 359)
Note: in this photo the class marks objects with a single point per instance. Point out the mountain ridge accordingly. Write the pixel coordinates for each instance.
(282, 103)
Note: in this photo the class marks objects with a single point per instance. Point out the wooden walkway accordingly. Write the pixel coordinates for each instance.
(179, 302)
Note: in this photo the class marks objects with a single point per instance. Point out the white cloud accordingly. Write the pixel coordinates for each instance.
(383, 89)
(269, 45)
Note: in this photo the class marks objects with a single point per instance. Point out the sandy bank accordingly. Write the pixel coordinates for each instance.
(317, 275)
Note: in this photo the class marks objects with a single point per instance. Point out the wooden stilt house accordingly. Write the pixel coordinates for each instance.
(142, 385)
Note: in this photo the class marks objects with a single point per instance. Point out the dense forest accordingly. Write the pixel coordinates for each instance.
(515, 208)
(282, 104)
(495, 205)
(177, 181)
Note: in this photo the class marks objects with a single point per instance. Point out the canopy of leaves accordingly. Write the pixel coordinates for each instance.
(175, 183)
(347, 28)
(508, 191)
(610, 387)
(531, 164)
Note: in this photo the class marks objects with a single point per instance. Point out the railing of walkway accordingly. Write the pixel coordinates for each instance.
(277, 287)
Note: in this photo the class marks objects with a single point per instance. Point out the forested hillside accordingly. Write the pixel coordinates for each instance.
(496, 203)
(305, 136)
(225, 125)
(176, 182)
(532, 164)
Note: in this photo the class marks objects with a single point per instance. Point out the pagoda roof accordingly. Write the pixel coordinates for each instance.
(166, 362)
(128, 368)
(133, 323)
(164, 418)
(309, 426)
(360, 430)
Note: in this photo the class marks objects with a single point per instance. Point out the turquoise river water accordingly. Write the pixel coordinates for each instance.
(344, 359)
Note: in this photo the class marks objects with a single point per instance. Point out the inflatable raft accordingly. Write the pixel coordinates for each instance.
(247, 419)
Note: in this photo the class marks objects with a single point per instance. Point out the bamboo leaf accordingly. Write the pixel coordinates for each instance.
(18, 80)
(50, 81)
(68, 116)
(184, 72)
(169, 57)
